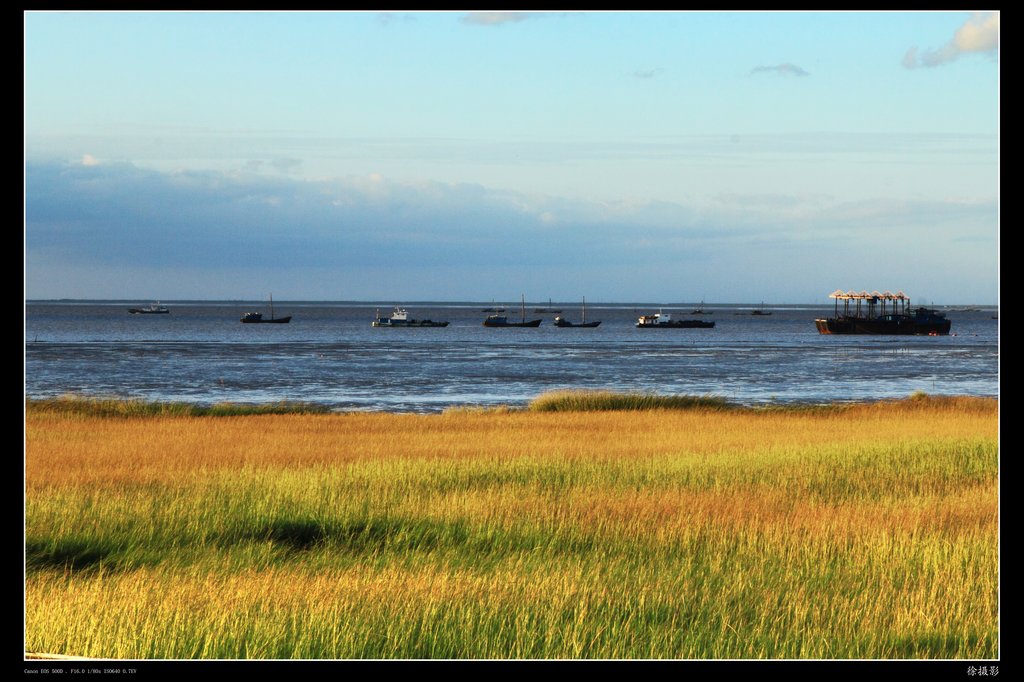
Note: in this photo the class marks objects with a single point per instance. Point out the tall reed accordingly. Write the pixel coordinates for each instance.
(869, 531)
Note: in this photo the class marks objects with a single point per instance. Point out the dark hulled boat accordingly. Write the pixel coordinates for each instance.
(400, 318)
(154, 309)
(665, 321)
(503, 321)
(257, 318)
(884, 313)
(562, 322)
(252, 318)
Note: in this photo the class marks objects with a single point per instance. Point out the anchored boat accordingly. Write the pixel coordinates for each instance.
(699, 310)
(400, 318)
(549, 309)
(562, 322)
(664, 321)
(885, 313)
(503, 321)
(154, 309)
(255, 318)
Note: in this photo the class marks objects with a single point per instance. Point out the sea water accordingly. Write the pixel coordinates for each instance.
(330, 355)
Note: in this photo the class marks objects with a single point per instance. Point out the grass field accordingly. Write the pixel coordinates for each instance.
(701, 531)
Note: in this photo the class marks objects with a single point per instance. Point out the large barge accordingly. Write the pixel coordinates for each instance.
(881, 313)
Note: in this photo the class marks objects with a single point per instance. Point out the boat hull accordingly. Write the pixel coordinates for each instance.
(276, 320)
(139, 311)
(902, 326)
(408, 323)
(588, 325)
(677, 324)
(497, 324)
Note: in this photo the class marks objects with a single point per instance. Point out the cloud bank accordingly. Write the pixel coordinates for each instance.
(497, 18)
(978, 35)
(229, 231)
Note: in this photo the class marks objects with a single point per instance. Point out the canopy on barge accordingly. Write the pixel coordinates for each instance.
(881, 313)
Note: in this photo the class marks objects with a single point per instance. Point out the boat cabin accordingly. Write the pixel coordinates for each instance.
(657, 318)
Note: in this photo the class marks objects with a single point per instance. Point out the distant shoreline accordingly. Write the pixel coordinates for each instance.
(460, 303)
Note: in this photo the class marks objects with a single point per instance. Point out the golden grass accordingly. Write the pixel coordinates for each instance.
(99, 451)
(867, 531)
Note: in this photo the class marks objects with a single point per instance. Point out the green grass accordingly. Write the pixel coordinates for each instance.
(589, 401)
(119, 407)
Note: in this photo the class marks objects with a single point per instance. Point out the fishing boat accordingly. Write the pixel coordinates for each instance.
(252, 318)
(503, 321)
(664, 321)
(400, 318)
(549, 309)
(562, 322)
(881, 313)
(761, 310)
(153, 309)
(699, 310)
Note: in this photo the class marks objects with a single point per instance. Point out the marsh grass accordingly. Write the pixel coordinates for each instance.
(869, 531)
(117, 407)
(588, 401)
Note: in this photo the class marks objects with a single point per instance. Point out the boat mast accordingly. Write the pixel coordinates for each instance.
(271, 305)
(584, 308)
(524, 306)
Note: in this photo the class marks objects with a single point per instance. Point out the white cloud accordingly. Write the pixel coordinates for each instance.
(978, 35)
(649, 73)
(781, 70)
(496, 18)
(89, 160)
(389, 18)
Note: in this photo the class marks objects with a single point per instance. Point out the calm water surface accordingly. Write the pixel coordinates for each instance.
(329, 354)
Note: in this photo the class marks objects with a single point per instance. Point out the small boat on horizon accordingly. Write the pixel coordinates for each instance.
(256, 318)
(503, 321)
(400, 318)
(562, 322)
(761, 310)
(549, 309)
(153, 309)
(699, 310)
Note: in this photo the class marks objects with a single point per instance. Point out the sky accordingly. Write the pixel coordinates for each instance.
(449, 156)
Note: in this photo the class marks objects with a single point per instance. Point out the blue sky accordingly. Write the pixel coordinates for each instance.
(730, 157)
